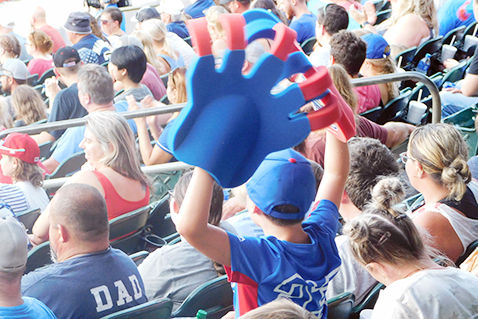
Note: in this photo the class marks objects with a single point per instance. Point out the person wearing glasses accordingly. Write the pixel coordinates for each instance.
(110, 22)
(436, 164)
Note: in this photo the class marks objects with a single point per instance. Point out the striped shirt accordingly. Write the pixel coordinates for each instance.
(14, 197)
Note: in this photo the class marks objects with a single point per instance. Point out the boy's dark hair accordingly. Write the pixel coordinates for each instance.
(132, 59)
(115, 14)
(215, 211)
(288, 209)
(348, 50)
(370, 161)
(333, 17)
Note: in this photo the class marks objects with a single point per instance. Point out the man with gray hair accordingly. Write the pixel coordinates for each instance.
(89, 279)
(13, 258)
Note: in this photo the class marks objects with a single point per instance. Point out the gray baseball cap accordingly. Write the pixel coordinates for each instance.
(13, 245)
(15, 68)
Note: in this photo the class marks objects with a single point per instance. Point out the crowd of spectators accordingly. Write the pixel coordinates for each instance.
(314, 221)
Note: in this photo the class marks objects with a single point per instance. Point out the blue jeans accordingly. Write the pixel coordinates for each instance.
(455, 102)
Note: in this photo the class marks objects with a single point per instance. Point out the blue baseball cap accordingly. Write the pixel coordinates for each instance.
(377, 46)
(283, 178)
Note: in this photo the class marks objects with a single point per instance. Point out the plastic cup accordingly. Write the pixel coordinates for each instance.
(469, 42)
(415, 112)
(448, 52)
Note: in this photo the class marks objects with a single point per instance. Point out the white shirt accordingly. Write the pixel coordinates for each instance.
(36, 197)
(321, 56)
(430, 294)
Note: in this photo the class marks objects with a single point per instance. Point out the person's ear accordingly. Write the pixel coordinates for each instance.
(332, 60)
(419, 171)
(63, 233)
(322, 28)
(345, 198)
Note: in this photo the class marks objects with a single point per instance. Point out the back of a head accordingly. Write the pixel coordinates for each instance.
(67, 61)
(370, 161)
(131, 58)
(283, 187)
(28, 104)
(11, 45)
(385, 234)
(279, 309)
(343, 84)
(177, 81)
(270, 6)
(41, 41)
(82, 209)
(215, 211)
(155, 28)
(95, 81)
(443, 153)
(348, 50)
(39, 14)
(212, 16)
(333, 17)
(117, 141)
(114, 13)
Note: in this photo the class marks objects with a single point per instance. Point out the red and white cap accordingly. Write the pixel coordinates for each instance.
(21, 146)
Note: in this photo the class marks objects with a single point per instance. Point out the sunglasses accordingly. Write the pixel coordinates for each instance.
(105, 21)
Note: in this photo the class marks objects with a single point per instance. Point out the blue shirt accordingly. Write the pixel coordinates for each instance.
(304, 26)
(162, 142)
(196, 9)
(178, 27)
(454, 14)
(31, 308)
(89, 286)
(92, 49)
(262, 269)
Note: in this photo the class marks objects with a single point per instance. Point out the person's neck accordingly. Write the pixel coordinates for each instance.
(128, 84)
(348, 210)
(300, 10)
(40, 55)
(10, 294)
(78, 249)
(70, 80)
(293, 234)
(395, 273)
(433, 192)
(101, 107)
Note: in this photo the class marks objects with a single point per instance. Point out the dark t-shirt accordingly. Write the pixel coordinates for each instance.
(473, 69)
(179, 28)
(66, 106)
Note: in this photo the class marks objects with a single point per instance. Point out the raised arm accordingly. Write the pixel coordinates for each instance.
(193, 224)
(336, 170)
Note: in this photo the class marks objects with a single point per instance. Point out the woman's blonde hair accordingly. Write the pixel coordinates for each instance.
(41, 41)
(343, 84)
(112, 130)
(28, 105)
(177, 80)
(386, 66)
(383, 233)
(157, 31)
(212, 17)
(425, 9)
(443, 153)
(148, 50)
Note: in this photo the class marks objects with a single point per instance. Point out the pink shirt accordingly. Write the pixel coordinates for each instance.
(152, 80)
(368, 97)
(39, 66)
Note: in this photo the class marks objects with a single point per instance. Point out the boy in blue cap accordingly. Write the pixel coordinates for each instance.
(295, 259)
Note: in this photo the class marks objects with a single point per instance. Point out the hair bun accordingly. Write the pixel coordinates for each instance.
(387, 192)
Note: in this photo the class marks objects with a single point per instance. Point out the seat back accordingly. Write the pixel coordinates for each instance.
(46, 75)
(29, 217)
(340, 307)
(406, 57)
(45, 150)
(457, 33)
(160, 220)
(129, 222)
(38, 257)
(214, 297)
(464, 122)
(69, 166)
(394, 108)
(383, 15)
(308, 45)
(470, 29)
(165, 78)
(372, 114)
(154, 309)
(369, 301)
(164, 182)
(431, 46)
(32, 79)
(471, 248)
(188, 41)
(454, 74)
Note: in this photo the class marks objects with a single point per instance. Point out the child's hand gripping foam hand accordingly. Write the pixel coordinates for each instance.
(231, 121)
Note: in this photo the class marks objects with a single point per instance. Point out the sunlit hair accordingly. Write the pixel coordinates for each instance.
(386, 66)
(279, 309)
(41, 41)
(383, 233)
(28, 104)
(112, 130)
(148, 49)
(212, 17)
(28, 172)
(425, 9)
(11, 45)
(443, 153)
(5, 117)
(343, 84)
(177, 80)
(157, 31)
(95, 28)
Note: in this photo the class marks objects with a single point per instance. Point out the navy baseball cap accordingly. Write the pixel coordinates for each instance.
(377, 46)
(283, 178)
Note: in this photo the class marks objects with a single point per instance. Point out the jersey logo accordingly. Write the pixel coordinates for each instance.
(103, 296)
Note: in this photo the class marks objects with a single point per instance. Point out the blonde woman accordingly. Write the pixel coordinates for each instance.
(39, 46)
(389, 246)
(166, 54)
(216, 32)
(412, 22)
(377, 62)
(149, 51)
(436, 164)
(28, 105)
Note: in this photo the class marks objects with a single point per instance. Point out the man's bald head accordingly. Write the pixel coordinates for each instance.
(82, 210)
(39, 14)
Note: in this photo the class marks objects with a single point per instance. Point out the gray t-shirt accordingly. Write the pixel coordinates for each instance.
(174, 272)
(139, 94)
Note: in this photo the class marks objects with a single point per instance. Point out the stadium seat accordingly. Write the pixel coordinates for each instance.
(407, 58)
(154, 309)
(188, 41)
(383, 15)
(372, 114)
(214, 297)
(45, 150)
(32, 80)
(160, 220)
(394, 108)
(46, 75)
(163, 182)
(455, 74)
(471, 248)
(431, 46)
(457, 33)
(69, 166)
(29, 217)
(340, 306)
(308, 45)
(465, 123)
(370, 300)
(38, 257)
